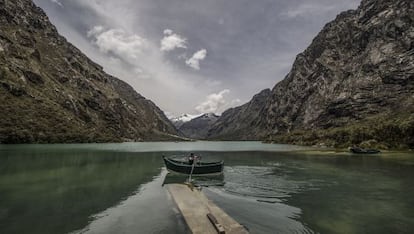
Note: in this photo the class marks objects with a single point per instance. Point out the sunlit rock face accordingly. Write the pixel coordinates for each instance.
(357, 71)
(51, 92)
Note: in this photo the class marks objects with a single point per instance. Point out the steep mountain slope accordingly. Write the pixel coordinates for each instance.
(51, 92)
(354, 84)
(198, 127)
(240, 123)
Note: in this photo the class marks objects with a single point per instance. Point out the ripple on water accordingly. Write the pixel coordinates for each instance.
(259, 215)
(269, 182)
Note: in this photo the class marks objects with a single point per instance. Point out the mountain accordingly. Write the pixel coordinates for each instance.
(180, 120)
(197, 128)
(236, 123)
(51, 92)
(353, 85)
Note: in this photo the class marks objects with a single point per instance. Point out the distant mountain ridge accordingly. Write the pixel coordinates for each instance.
(353, 85)
(51, 92)
(197, 128)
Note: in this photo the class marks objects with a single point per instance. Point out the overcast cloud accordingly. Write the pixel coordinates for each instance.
(194, 56)
(172, 41)
(194, 61)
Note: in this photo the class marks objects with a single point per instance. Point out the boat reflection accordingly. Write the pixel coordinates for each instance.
(204, 181)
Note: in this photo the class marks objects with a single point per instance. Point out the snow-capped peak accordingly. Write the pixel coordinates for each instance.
(185, 117)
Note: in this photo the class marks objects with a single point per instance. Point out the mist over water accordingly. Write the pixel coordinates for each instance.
(118, 188)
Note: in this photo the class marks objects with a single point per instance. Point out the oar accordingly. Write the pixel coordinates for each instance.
(192, 169)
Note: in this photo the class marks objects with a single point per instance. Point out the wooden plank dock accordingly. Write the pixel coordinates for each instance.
(200, 213)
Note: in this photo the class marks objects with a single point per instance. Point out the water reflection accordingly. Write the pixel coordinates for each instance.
(58, 192)
(149, 210)
(200, 180)
(117, 188)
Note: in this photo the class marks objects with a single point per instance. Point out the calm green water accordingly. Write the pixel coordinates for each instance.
(117, 188)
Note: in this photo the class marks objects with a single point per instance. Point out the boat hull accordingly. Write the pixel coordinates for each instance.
(364, 151)
(182, 167)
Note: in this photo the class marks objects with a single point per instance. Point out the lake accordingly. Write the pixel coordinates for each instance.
(269, 188)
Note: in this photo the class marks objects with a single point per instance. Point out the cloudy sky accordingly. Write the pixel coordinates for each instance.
(194, 56)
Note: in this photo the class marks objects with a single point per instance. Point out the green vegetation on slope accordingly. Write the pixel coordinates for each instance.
(381, 132)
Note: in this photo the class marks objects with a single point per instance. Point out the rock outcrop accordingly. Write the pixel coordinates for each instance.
(354, 84)
(51, 92)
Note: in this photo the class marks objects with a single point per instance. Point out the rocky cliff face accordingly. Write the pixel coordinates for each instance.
(353, 84)
(241, 123)
(51, 92)
(198, 127)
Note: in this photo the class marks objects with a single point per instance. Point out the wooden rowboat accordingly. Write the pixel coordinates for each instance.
(200, 168)
(357, 150)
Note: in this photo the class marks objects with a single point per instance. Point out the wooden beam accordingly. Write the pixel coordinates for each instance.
(196, 209)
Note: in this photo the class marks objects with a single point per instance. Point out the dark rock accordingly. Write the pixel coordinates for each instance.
(33, 77)
(36, 55)
(62, 79)
(13, 89)
(93, 104)
(25, 39)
